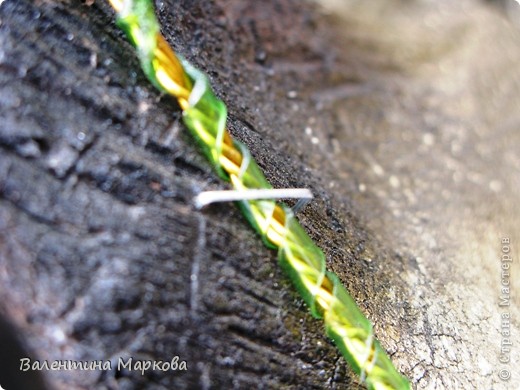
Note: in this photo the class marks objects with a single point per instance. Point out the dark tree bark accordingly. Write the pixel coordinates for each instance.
(405, 135)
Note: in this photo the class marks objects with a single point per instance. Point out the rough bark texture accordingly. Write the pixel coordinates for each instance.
(402, 117)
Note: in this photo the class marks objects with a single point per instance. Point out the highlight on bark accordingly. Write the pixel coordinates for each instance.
(205, 117)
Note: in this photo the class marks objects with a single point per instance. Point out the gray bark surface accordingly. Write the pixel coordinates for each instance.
(407, 136)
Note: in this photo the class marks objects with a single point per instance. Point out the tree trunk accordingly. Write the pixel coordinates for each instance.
(402, 119)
